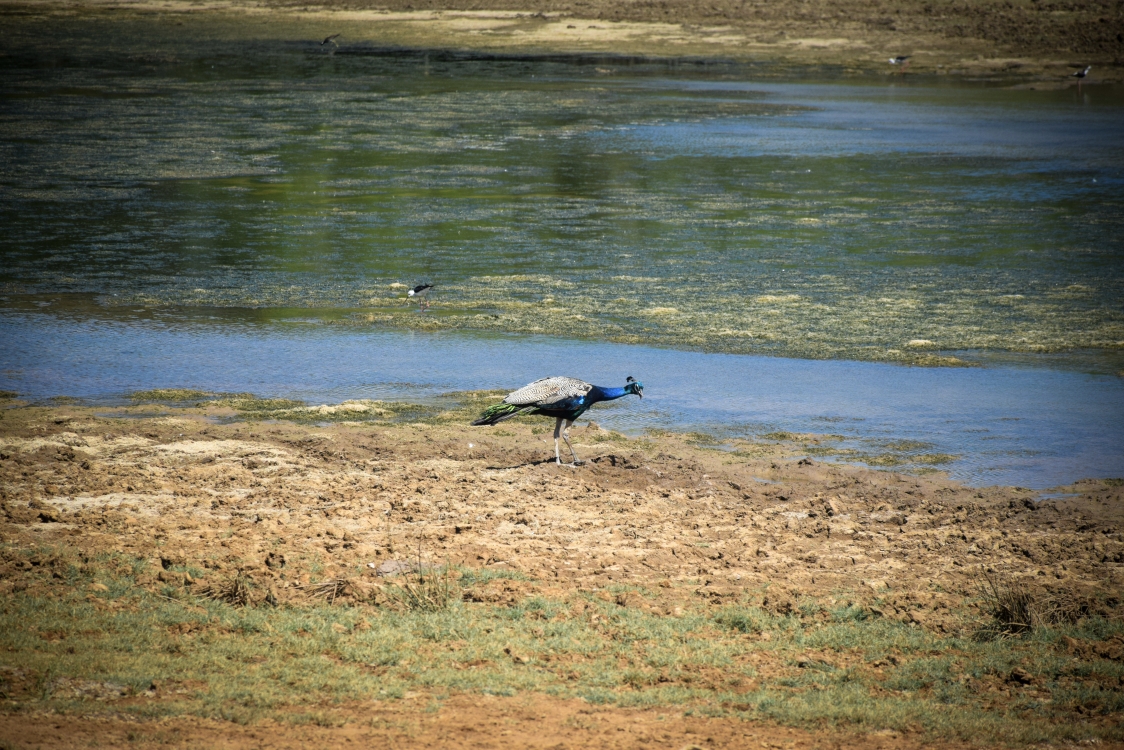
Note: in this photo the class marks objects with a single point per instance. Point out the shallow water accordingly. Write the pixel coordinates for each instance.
(189, 166)
(998, 425)
(223, 205)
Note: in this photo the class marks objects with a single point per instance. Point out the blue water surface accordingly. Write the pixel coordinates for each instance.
(1016, 425)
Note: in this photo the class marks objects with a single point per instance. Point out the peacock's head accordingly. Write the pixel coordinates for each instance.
(632, 385)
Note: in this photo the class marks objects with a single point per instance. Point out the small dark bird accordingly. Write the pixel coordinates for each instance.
(331, 40)
(420, 292)
(563, 398)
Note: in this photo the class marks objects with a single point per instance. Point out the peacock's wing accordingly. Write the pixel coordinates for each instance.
(548, 391)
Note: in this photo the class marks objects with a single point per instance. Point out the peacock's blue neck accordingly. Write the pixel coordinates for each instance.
(606, 394)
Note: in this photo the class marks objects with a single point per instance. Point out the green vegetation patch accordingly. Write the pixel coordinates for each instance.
(169, 395)
(458, 407)
(87, 638)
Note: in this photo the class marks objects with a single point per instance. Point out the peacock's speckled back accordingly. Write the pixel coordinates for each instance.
(548, 391)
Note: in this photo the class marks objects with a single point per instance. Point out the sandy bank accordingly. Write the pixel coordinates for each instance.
(1035, 42)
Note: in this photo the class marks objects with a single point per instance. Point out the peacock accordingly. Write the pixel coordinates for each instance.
(563, 398)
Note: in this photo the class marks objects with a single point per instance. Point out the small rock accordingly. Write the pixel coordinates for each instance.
(100, 588)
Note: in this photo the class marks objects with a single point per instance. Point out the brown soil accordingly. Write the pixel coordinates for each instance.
(974, 36)
(265, 500)
(530, 721)
(1025, 40)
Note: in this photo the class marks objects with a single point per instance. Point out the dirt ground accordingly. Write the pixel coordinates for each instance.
(530, 721)
(1028, 42)
(274, 502)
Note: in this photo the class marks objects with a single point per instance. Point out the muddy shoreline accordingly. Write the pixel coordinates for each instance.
(640, 510)
(1028, 43)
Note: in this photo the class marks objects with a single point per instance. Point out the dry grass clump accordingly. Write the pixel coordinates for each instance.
(425, 591)
(1016, 610)
(328, 590)
(235, 591)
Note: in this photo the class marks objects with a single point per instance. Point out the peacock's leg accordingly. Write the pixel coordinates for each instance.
(557, 430)
(566, 437)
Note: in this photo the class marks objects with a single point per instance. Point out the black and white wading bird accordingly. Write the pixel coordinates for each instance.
(902, 60)
(331, 40)
(1080, 75)
(563, 398)
(420, 291)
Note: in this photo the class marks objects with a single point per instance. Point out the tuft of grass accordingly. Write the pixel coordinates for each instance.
(745, 619)
(235, 591)
(1014, 609)
(328, 590)
(1010, 605)
(423, 591)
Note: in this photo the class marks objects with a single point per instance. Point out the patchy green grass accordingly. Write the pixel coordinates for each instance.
(819, 665)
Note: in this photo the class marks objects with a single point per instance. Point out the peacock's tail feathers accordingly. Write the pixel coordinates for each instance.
(500, 412)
